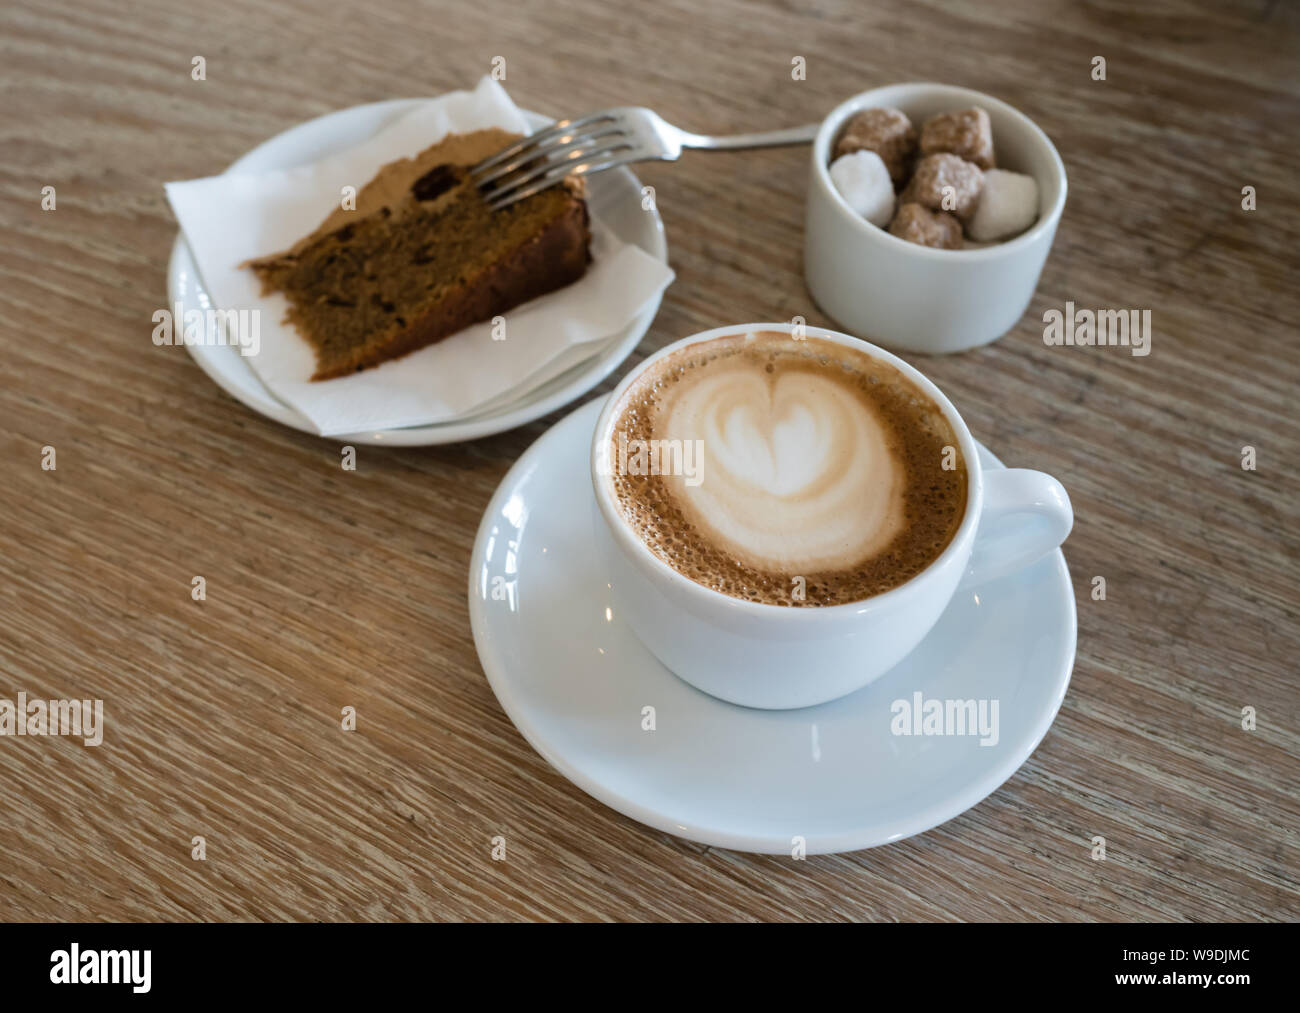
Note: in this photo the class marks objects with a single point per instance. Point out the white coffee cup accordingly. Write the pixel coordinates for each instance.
(913, 297)
(778, 657)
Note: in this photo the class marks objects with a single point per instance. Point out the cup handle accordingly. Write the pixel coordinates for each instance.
(1026, 515)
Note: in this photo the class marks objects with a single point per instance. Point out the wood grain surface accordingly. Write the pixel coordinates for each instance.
(328, 588)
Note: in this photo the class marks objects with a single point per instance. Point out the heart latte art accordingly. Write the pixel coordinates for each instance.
(797, 471)
(783, 471)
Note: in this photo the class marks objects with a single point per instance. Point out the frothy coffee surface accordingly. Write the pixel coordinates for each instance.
(747, 461)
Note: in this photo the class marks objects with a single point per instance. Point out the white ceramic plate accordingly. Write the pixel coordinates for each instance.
(614, 197)
(574, 680)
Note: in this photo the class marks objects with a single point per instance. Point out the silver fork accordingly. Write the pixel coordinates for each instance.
(601, 141)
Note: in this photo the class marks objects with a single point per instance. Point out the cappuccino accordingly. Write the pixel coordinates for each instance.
(821, 475)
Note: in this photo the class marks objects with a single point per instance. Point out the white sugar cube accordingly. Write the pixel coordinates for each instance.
(1008, 205)
(863, 181)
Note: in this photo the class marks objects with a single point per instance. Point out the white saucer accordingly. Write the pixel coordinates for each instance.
(574, 681)
(614, 197)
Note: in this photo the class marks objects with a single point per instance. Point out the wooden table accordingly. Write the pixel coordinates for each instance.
(327, 588)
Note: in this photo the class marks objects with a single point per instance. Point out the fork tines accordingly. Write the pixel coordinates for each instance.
(541, 160)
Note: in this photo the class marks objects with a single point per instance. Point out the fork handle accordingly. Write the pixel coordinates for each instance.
(770, 139)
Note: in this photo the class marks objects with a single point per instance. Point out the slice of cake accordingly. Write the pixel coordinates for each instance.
(423, 256)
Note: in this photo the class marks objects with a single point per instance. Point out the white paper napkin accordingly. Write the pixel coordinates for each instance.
(232, 218)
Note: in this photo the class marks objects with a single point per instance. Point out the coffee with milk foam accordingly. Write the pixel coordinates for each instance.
(821, 476)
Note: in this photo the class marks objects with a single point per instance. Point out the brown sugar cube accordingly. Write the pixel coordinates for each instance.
(935, 174)
(967, 133)
(918, 224)
(887, 132)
